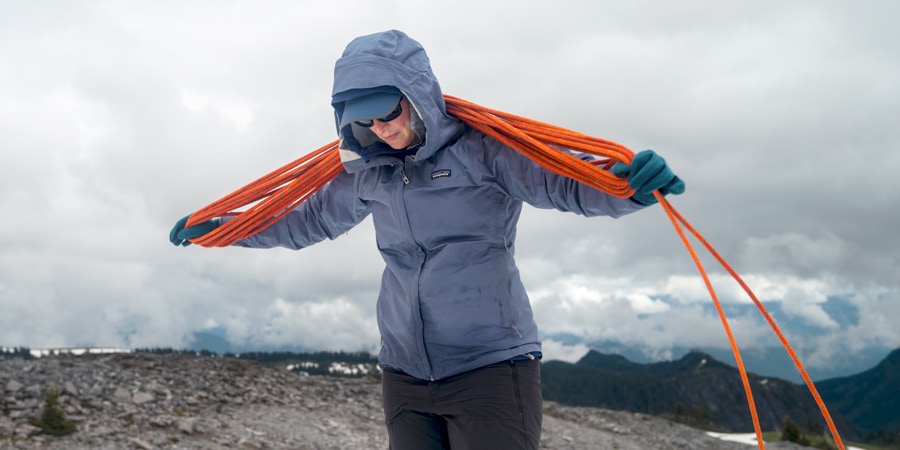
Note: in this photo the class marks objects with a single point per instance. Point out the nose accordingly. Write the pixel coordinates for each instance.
(379, 127)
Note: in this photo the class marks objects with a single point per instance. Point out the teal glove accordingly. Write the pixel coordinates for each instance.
(180, 235)
(647, 173)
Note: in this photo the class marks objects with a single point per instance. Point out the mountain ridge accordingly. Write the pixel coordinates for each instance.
(868, 397)
(701, 390)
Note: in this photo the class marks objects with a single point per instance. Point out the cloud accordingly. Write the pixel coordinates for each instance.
(556, 351)
(119, 118)
(794, 251)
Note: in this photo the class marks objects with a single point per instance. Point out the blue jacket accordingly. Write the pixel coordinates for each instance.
(445, 217)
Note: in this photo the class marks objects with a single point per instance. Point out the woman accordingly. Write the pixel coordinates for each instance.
(460, 349)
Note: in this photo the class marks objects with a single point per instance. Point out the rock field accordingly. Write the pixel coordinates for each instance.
(147, 401)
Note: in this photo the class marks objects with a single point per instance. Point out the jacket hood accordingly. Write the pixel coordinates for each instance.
(384, 62)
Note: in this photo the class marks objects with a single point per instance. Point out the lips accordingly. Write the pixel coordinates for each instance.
(391, 136)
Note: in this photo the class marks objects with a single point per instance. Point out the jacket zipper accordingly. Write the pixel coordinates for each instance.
(403, 173)
(425, 357)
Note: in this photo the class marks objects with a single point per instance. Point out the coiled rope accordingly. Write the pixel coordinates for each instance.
(272, 196)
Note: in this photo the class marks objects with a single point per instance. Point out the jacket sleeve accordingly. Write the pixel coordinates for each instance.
(328, 213)
(523, 179)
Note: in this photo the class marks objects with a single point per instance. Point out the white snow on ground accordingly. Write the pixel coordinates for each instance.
(41, 352)
(747, 438)
(38, 353)
(743, 438)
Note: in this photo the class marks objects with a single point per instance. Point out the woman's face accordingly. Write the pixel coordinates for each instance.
(397, 133)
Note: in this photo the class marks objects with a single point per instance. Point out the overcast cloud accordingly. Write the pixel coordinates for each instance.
(119, 117)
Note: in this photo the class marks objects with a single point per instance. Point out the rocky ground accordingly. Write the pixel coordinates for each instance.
(144, 401)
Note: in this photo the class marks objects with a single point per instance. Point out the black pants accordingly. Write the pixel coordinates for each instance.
(495, 407)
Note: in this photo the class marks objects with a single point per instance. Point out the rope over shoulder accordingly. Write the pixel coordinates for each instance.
(272, 196)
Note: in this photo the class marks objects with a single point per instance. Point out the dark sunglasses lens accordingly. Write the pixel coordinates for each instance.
(365, 123)
(393, 115)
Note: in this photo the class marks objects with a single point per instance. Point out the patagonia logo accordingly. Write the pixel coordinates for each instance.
(440, 173)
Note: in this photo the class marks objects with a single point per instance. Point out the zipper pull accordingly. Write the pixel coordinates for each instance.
(403, 173)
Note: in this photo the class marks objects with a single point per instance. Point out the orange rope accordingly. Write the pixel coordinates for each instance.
(275, 194)
(676, 217)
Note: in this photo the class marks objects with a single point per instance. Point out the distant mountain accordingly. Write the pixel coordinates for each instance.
(696, 389)
(775, 362)
(210, 342)
(214, 340)
(765, 361)
(766, 356)
(870, 399)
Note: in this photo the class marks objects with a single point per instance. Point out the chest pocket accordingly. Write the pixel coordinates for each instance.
(444, 203)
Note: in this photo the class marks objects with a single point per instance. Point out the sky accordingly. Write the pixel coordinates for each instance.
(117, 118)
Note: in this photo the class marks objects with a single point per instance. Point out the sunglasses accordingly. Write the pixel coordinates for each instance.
(389, 117)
